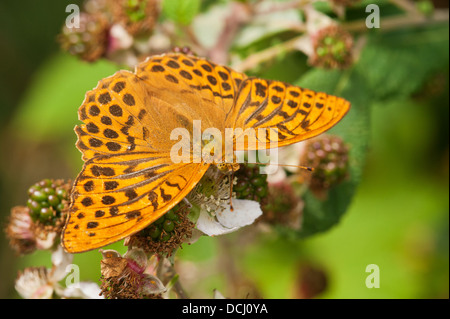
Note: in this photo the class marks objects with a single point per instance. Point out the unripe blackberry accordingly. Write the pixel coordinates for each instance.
(90, 40)
(312, 280)
(138, 17)
(332, 48)
(47, 199)
(166, 233)
(328, 155)
(283, 207)
(251, 184)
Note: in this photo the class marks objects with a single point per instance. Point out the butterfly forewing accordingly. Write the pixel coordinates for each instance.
(284, 113)
(203, 90)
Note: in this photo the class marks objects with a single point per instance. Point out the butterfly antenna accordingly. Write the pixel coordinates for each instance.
(231, 177)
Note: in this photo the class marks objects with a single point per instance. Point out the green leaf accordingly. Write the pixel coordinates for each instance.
(398, 63)
(181, 11)
(320, 215)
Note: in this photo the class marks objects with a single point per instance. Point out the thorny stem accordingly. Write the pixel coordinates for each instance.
(165, 272)
(226, 262)
(397, 22)
(268, 54)
(240, 14)
(282, 6)
(388, 24)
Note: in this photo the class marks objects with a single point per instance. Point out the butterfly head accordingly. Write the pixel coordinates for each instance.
(229, 169)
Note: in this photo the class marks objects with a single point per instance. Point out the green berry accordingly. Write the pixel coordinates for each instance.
(38, 196)
(168, 225)
(251, 184)
(53, 200)
(45, 214)
(33, 205)
(171, 215)
(61, 193)
(159, 220)
(154, 232)
(48, 191)
(45, 204)
(47, 199)
(165, 237)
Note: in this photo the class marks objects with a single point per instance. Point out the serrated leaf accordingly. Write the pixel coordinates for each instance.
(398, 63)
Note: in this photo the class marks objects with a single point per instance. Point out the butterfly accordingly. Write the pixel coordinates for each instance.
(129, 180)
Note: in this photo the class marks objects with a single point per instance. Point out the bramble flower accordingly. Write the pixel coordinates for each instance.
(136, 16)
(90, 40)
(39, 224)
(43, 283)
(131, 276)
(326, 44)
(21, 237)
(211, 201)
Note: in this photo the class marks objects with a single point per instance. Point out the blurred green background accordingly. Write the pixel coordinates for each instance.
(398, 218)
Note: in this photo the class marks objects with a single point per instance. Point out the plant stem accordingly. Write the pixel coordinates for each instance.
(165, 272)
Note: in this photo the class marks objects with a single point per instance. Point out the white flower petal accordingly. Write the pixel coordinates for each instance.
(120, 39)
(278, 177)
(218, 294)
(33, 284)
(84, 290)
(245, 212)
(60, 261)
(196, 234)
(152, 285)
(210, 226)
(138, 256)
(47, 242)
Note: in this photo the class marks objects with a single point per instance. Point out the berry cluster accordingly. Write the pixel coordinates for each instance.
(329, 157)
(165, 234)
(251, 184)
(47, 199)
(162, 229)
(332, 48)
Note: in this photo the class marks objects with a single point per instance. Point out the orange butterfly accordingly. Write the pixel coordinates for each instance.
(129, 180)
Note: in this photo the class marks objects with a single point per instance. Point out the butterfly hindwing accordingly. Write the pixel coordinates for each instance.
(116, 196)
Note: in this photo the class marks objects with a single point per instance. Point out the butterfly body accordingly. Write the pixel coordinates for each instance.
(130, 177)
